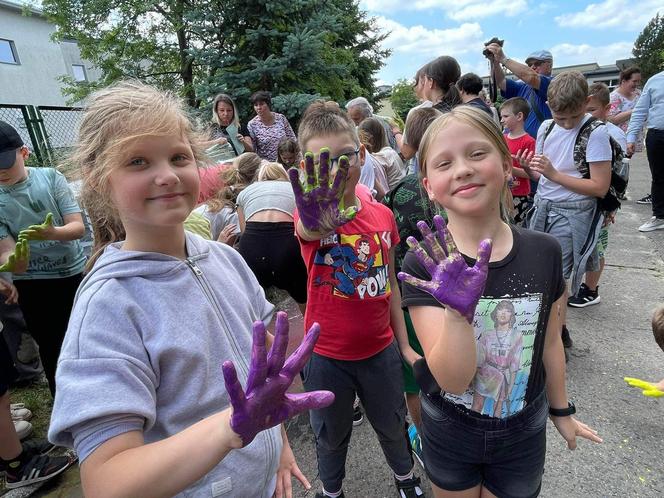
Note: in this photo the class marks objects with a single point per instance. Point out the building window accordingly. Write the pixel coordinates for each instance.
(79, 72)
(8, 53)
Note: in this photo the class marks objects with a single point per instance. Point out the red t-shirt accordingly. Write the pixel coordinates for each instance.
(521, 186)
(348, 283)
(211, 181)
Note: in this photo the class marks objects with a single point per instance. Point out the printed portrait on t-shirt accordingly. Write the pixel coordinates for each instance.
(357, 265)
(505, 329)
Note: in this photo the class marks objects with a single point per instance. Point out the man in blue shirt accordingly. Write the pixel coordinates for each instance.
(650, 107)
(535, 76)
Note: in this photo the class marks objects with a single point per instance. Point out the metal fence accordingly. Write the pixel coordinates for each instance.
(51, 131)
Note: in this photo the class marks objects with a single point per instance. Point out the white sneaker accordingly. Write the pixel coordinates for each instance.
(20, 412)
(652, 225)
(23, 428)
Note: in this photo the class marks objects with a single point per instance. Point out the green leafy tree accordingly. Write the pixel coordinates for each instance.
(649, 47)
(403, 98)
(298, 49)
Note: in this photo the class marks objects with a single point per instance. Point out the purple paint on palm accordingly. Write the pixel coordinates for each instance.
(265, 402)
(453, 283)
(320, 203)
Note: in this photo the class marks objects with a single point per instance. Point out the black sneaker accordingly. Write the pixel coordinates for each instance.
(37, 469)
(33, 447)
(567, 340)
(645, 200)
(410, 488)
(585, 297)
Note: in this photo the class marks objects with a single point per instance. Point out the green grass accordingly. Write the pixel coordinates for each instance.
(37, 398)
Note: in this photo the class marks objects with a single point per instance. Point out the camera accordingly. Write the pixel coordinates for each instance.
(487, 53)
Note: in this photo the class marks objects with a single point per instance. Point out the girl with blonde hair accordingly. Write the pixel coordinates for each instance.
(452, 281)
(139, 395)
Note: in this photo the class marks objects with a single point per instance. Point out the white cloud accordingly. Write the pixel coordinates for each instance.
(566, 54)
(458, 10)
(619, 14)
(430, 42)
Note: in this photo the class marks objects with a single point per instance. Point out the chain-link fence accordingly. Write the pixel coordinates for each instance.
(50, 132)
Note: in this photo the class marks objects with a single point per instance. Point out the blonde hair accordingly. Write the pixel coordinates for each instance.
(322, 119)
(235, 179)
(567, 92)
(114, 117)
(271, 172)
(658, 326)
(480, 121)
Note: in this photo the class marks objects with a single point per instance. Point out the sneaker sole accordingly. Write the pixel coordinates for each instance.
(28, 482)
(643, 202)
(651, 229)
(583, 305)
(358, 422)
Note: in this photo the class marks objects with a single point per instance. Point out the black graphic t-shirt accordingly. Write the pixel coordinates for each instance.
(510, 323)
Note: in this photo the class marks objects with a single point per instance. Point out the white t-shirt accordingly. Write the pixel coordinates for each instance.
(559, 148)
(617, 134)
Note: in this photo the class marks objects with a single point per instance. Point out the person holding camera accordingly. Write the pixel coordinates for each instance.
(534, 76)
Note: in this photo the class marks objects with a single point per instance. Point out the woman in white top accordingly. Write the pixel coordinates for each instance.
(385, 157)
(624, 98)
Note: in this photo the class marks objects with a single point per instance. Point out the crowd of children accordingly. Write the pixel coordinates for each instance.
(410, 304)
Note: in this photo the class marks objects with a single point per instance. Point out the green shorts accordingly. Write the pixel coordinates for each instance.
(410, 386)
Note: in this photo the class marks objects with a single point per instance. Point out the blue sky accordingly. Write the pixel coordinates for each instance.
(576, 32)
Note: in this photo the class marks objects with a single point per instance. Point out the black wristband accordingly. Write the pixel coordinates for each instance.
(563, 412)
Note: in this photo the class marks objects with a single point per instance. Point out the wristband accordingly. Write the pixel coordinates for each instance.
(563, 412)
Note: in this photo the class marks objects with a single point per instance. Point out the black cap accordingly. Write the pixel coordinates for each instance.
(10, 140)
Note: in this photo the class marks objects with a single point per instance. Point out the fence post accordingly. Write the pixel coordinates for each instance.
(36, 124)
(34, 137)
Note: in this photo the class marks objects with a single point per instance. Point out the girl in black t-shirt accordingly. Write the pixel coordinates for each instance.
(489, 326)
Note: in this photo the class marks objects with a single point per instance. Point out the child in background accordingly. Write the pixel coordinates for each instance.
(454, 281)
(410, 203)
(221, 210)
(385, 157)
(513, 115)
(652, 390)
(566, 200)
(348, 242)
(140, 396)
(40, 224)
(288, 153)
(598, 107)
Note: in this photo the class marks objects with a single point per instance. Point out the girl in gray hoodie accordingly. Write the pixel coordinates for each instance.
(140, 394)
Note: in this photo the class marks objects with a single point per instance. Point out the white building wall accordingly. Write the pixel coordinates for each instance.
(34, 80)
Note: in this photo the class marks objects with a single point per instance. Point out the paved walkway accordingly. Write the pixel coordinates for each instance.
(612, 340)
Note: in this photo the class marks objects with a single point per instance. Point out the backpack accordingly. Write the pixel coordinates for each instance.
(619, 173)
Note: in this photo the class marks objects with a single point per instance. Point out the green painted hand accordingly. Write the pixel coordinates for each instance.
(648, 389)
(39, 232)
(17, 262)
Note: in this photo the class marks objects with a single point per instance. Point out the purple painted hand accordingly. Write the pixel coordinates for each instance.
(453, 283)
(319, 204)
(265, 402)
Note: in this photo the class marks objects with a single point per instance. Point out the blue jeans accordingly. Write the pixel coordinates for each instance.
(462, 449)
(378, 382)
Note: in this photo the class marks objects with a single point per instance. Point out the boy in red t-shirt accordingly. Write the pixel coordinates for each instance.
(513, 114)
(348, 241)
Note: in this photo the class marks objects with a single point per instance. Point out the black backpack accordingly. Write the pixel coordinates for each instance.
(619, 174)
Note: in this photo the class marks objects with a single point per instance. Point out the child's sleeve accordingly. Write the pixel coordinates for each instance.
(599, 146)
(541, 131)
(63, 195)
(106, 384)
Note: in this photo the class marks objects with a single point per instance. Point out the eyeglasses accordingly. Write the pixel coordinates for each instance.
(334, 162)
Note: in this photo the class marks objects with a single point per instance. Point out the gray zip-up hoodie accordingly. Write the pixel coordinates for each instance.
(143, 351)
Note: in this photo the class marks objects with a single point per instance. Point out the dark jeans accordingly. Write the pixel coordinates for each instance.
(462, 449)
(379, 384)
(655, 151)
(46, 305)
